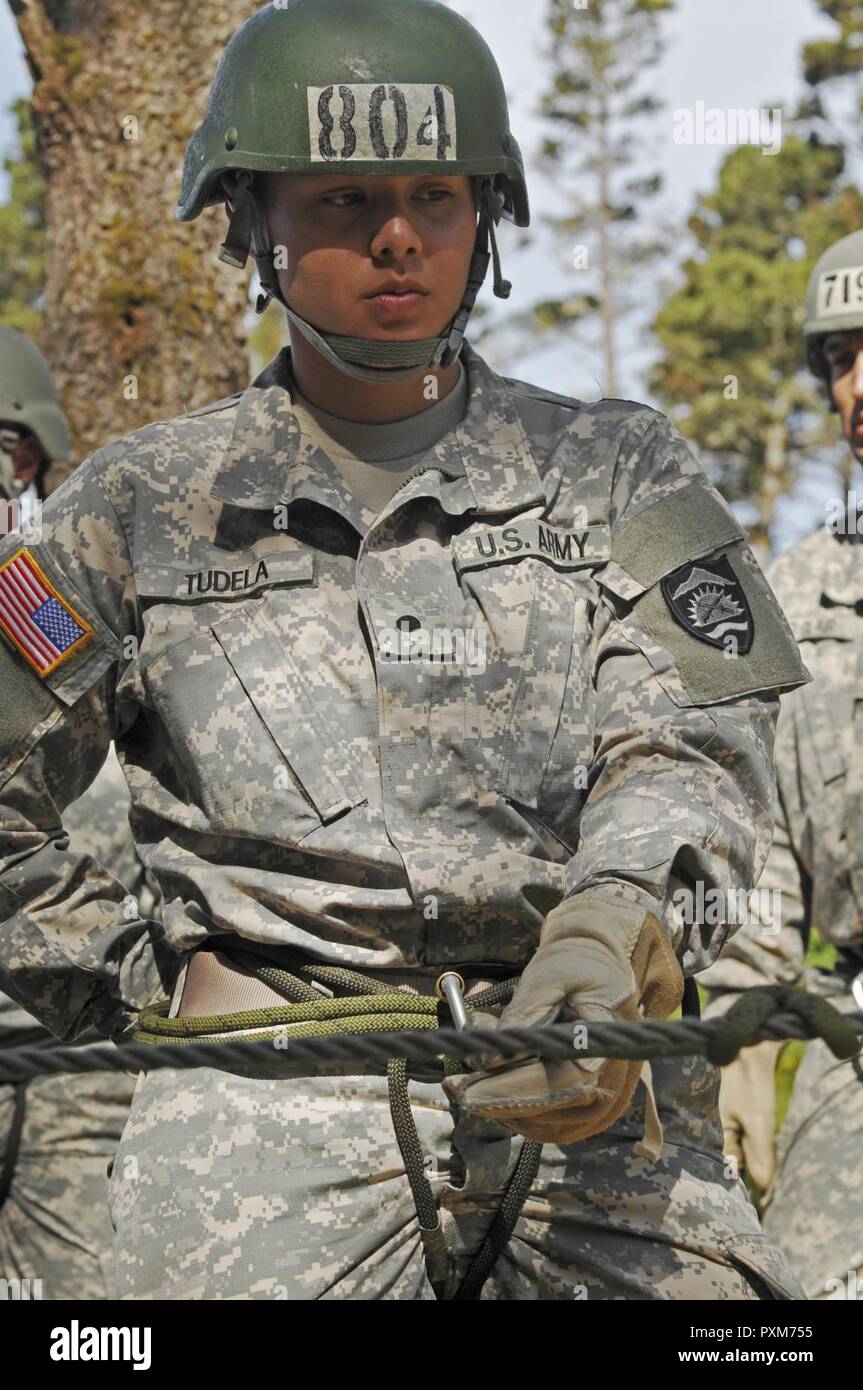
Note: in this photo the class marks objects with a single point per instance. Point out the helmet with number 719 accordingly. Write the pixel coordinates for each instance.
(834, 300)
(397, 87)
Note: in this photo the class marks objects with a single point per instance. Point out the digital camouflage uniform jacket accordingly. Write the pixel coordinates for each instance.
(57, 1133)
(816, 860)
(214, 596)
(97, 822)
(97, 825)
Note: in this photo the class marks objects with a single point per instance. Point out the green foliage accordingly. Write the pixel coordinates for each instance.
(731, 369)
(789, 1060)
(821, 954)
(840, 56)
(22, 231)
(598, 99)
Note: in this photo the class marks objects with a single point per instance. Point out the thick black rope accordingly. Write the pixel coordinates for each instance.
(13, 1141)
(755, 1006)
(514, 1197)
(775, 1012)
(408, 1141)
(503, 1225)
(631, 1041)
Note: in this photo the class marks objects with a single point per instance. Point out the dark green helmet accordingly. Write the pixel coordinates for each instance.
(28, 396)
(368, 86)
(834, 300)
(365, 86)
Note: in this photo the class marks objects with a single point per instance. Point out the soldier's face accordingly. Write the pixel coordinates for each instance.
(347, 238)
(25, 459)
(843, 353)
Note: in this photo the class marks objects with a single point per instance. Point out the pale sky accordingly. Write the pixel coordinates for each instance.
(737, 54)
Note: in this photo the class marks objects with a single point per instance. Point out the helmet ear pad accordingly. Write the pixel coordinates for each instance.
(817, 364)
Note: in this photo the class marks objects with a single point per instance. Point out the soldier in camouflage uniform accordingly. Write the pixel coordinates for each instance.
(57, 1133)
(409, 667)
(34, 440)
(816, 862)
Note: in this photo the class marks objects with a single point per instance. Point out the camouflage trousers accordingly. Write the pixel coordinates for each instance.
(815, 1207)
(55, 1231)
(233, 1188)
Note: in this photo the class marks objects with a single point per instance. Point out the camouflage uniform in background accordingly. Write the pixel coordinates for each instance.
(57, 1133)
(815, 1207)
(293, 785)
(54, 1224)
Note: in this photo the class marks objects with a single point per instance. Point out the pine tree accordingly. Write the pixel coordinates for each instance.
(836, 63)
(731, 371)
(599, 109)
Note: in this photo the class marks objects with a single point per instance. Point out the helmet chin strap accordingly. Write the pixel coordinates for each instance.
(10, 486)
(365, 359)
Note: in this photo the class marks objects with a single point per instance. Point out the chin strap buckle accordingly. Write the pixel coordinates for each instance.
(246, 226)
(234, 250)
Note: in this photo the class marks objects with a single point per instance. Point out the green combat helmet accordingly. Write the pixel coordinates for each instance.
(28, 401)
(362, 86)
(834, 300)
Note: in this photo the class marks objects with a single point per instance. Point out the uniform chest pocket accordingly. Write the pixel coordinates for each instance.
(528, 706)
(256, 753)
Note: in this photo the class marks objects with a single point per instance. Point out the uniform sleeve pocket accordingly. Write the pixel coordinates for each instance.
(754, 1255)
(712, 631)
(58, 637)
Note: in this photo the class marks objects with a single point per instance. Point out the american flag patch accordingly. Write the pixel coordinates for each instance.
(43, 626)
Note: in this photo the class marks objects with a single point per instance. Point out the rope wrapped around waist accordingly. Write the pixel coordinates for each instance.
(366, 1005)
(319, 1000)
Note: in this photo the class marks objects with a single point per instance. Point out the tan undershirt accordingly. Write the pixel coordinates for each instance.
(374, 460)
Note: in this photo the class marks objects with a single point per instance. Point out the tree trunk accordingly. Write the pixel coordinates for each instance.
(773, 481)
(140, 321)
(606, 294)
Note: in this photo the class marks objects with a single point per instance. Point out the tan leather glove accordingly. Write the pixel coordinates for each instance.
(747, 1106)
(747, 1103)
(602, 955)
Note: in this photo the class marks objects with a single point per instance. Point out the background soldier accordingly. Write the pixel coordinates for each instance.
(34, 440)
(814, 1209)
(320, 814)
(58, 1132)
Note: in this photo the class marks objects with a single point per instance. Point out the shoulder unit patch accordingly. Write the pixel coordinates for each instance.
(36, 618)
(707, 600)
